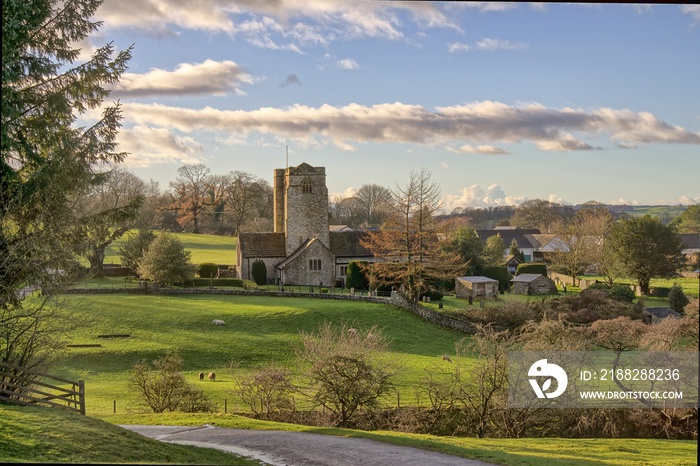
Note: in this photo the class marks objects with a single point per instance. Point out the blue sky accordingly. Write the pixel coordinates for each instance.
(502, 102)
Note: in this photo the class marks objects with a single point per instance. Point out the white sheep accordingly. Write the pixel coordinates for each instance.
(352, 332)
(219, 322)
(446, 358)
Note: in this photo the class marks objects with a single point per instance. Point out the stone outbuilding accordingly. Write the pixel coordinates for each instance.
(476, 287)
(533, 284)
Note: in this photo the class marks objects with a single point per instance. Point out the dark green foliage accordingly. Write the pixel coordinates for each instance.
(660, 292)
(531, 267)
(356, 278)
(208, 270)
(621, 293)
(470, 248)
(434, 295)
(498, 273)
(259, 272)
(166, 261)
(677, 299)
(646, 248)
(599, 286)
(197, 282)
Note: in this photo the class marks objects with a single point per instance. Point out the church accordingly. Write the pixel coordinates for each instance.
(303, 249)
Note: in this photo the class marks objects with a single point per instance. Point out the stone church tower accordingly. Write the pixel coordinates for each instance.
(301, 205)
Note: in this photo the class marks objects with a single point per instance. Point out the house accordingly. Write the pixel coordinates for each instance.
(476, 287)
(522, 236)
(533, 284)
(656, 314)
(511, 263)
(303, 249)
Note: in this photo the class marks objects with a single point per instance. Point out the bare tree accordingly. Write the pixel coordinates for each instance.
(375, 201)
(191, 194)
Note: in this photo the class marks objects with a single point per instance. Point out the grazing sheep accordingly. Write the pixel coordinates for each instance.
(218, 322)
(446, 358)
(212, 377)
(370, 337)
(201, 376)
(352, 332)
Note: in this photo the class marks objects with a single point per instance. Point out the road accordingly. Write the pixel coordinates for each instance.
(279, 448)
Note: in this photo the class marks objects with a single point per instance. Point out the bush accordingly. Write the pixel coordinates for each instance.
(660, 291)
(677, 299)
(498, 273)
(198, 282)
(356, 278)
(208, 270)
(434, 295)
(268, 392)
(621, 293)
(599, 286)
(259, 272)
(531, 267)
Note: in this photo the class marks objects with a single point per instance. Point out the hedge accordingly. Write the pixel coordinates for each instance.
(203, 282)
(531, 267)
(498, 273)
(208, 270)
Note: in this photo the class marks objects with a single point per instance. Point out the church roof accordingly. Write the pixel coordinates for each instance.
(261, 244)
(347, 244)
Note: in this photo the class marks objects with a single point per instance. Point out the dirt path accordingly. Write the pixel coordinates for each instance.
(280, 448)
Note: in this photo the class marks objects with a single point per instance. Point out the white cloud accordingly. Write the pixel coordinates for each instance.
(443, 165)
(487, 45)
(149, 146)
(348, 64)
(476, 196)
(209, 77)
(480, 149)
(623, 201)
(480, 122)
(692, 10)
(687, 200)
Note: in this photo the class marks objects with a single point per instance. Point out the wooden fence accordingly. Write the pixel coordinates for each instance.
(25, 387)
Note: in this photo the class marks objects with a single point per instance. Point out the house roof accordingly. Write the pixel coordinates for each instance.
(527, 277)
(477, 279)
(690, 240)
(261, 244)
(510, 258)
(300, 250)
(339, 228)
(661, 312)
(347, 244)
(519, 234)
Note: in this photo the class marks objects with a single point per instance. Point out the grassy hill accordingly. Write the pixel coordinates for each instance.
(204, 248)
(43, 435)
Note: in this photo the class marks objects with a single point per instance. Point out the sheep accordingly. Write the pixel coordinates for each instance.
(446, 358)
(212, 376)
(218, 322)
(352, 332)
(201, 376)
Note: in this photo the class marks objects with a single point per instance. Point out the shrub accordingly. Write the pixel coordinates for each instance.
(434, 295)
(621, 293)
(197, 282)
(166, 261)
(208, 270)
(677, 299)
(660, 291)
(135, 247)
(498, 273)
(356, 278)
(599, 286)
(259, 272)
(268, 392)
(531, 267)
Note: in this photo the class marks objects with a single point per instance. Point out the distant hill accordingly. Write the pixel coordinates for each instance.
(665, 213)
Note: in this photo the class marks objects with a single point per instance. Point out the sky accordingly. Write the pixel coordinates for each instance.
(501, 102)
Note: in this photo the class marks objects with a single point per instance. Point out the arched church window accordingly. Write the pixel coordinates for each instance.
(306, 187)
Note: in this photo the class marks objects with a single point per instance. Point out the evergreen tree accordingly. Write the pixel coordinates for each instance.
(259, 272)
(166, 261)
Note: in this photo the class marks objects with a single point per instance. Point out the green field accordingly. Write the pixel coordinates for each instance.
(204, 248)
(258, 330)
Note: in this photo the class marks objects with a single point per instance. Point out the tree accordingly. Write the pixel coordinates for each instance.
(116, 203)
(259, 272)
(355, 277)
(166, 261)
(191, 194)
(374, 201)
(540, 214)
(48, 161)
(646, 248)
(408, 245)
(470, 248)
(677, 299)
(515, 250)
(493, 250)
(134, 248)
(689, 220)
(349, 368)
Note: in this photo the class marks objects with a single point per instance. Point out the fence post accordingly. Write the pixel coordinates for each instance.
(81, 396)
(225, 406)
(115, 406)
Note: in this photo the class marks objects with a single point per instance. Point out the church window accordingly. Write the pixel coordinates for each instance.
(306, 187)
(314, 264)
(343, 270)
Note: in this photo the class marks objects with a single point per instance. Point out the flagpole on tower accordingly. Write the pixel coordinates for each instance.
(287, 149)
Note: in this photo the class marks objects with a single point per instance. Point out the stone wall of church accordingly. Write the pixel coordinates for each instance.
(306, 206)
(305, 270)
(244, 268)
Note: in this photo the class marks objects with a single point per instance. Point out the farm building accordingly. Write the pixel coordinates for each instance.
(533, 283)
(476, 287)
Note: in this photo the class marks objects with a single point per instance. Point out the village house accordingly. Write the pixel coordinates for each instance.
(476, 287)
(303, 249)
(533, 284)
